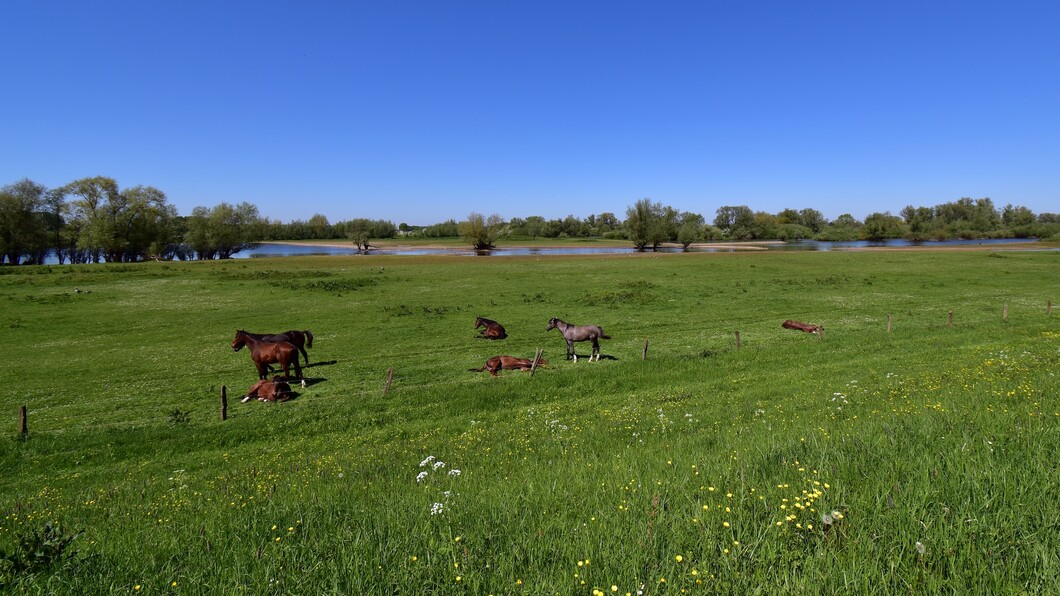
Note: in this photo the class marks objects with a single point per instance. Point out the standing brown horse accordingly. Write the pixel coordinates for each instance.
(264, 353)
(300, 339)
(573, 333)
(493, 329)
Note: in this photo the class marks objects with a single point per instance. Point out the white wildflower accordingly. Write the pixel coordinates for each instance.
(421, 476)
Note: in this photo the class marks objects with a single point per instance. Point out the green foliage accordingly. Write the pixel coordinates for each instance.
(37, 550)
(920, 460)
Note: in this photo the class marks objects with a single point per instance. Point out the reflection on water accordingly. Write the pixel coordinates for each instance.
(290, 250)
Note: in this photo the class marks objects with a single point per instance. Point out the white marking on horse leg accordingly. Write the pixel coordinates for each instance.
(246, 399)
(575, 356)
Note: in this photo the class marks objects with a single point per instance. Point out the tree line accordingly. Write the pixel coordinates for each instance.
(92, 219)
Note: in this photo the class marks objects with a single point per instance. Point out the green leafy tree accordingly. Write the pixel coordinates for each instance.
(22, 224)
(737, 222)
(481, 232)
(646, 224)
(223, 230)
(881, 226)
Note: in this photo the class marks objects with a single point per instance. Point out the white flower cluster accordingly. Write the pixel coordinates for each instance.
(434, 463)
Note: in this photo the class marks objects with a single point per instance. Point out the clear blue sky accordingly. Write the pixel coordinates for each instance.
(418, 112)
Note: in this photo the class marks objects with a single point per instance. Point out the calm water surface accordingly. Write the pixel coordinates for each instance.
(290, 250)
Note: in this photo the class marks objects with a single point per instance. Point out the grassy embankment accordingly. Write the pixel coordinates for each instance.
(702, 468)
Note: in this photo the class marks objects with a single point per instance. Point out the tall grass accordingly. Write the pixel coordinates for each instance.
(923, 460)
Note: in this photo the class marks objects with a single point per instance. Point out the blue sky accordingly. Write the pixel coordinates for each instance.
(419, 112)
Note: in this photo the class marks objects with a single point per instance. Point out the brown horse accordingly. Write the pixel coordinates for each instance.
(573, 333)
(275, 390)
(493, 329)
(264, 353)
(300, 339)
(496, 363)
(807, 327)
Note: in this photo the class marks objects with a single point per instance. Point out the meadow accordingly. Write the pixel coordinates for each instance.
(917, 459)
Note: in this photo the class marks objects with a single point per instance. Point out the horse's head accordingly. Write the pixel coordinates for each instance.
(239, 341)
(553, 323)
(479, 322)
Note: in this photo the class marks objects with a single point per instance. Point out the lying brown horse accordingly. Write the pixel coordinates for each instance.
(496, 363)
(493, 329)
(807, 327)
(264, 353)
(573, 333)
(300, 339)
(275, 390)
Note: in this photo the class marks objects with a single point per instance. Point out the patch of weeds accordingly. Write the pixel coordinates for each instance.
(538, 298)
(398, 311)
(638, 292)
(39, 550)
(50, 299)
(16, 324)
(832, 280)
(328, 285)
(178, 417)
(270, 274)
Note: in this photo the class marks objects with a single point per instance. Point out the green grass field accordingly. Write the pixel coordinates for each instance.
(924, 460)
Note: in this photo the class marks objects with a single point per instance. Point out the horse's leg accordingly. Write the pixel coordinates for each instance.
(570, 350)
(596, 349)
(262, 370)
(297, 367)
(301, 348)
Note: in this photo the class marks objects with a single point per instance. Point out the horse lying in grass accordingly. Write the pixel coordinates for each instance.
(495, 364)
(493, 329)
(573, 333)
(807, 327)
(265, 390)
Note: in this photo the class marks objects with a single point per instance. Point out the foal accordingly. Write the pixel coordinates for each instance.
(493, 329)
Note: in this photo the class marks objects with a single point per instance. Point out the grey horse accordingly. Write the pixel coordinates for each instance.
(573, 333)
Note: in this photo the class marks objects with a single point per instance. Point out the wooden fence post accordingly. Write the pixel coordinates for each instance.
(389, 378)
(949, 320)
(888, 324)
(537, 360)
(737, 340)
(1004, 313)
(644, 354)
(1049, 307)
(23, 429)
(224, 403)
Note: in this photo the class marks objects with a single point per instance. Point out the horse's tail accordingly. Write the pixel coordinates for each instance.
(308, 338)
(604, 335)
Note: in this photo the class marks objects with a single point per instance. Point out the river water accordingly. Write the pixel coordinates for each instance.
(289, 250)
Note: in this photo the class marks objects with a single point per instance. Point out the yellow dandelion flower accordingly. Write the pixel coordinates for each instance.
(725, 524)
(458, 578)
(614, 588)
(679, 558)
(136, 587)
